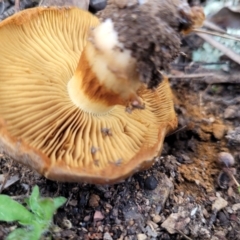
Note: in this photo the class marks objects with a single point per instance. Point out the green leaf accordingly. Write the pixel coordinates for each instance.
(22, 234)
(47, 205)
(11, 210)
(58, 202)
(32, 201)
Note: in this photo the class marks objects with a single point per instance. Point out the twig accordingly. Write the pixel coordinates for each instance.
(230, 174)
(217, 34)
(177, 130)
(195, 75)
(209, 78)
(213, 26)
(228, 52)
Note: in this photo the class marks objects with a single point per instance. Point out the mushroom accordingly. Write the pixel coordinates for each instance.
(63, 92)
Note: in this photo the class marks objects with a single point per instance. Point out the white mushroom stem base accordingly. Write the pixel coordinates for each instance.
(106, 74)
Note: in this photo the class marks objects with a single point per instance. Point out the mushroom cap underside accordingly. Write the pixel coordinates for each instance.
(42, 128)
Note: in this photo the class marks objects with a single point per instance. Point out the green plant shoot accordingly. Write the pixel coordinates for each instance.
(36, 217)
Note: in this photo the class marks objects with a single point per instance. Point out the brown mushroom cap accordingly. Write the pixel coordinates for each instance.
(42, 128)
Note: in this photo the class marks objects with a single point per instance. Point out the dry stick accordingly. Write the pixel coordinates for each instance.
(195, 75)
(228, 52)
(209, 78)
(213, 26)
(230, 174)
(217, 34)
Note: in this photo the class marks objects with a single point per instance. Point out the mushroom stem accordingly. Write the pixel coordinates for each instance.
(106, 74)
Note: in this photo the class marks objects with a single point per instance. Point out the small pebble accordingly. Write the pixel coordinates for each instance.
(98, 216)
(141, 236)
(66, 224)
(219, 204)
(86, 218)
(223, 219)
(157, 218)
(97, 5)
(94, 201)
(107, 236)
(236, 207)
(150, 183)
(226, 159)
(230, 112)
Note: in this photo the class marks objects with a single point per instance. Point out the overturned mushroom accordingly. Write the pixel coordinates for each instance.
(63, 94)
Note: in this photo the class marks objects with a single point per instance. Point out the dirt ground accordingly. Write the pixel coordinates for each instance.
(186, 176)
(187, 194)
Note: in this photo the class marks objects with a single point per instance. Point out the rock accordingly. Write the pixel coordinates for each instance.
(219, 235)
(236, 207)
(161, 193)
(230, 112)
(131, 212)
(219, 204)
(218, 130)
(151, 232)
(98, 216)
(223, 219)
(150, 183)
(203, 232)
(141, 236)
(66, 223)
(87, 218)
(97, 5)
(94, 201)
(176, 222)
(233, 136)
(157, 218)
(107, 236)
(226, 159)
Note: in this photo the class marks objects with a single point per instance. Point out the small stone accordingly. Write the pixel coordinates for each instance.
(205, 213)
(150, 183)
(230, 112)
(131, 222)
(98, 216)
(186, 158)
(226, 159)
(107, 236)
(236, 207)
(66, 223)
(141, 236)
(151, 232)
(121, 3)
(205, 233)
(219, 204)
(223, 219)
(218, 131)
(94, 200)
(157, 218)
(176, 222)
(86, 218)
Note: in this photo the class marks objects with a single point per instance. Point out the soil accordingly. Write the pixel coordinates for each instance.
(178, 198)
